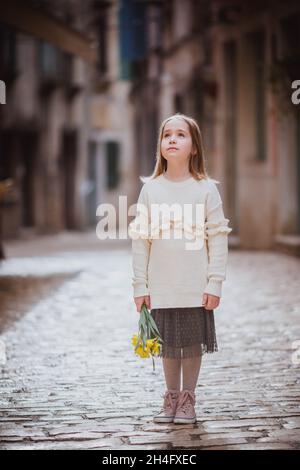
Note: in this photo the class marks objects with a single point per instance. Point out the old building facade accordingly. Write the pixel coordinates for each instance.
(231, 66)
(84, 105)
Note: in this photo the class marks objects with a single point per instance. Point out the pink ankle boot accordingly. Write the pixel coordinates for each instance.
(167, 413)
(185, 412)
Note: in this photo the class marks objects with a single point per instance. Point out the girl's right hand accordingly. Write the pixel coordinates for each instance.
(140, 300)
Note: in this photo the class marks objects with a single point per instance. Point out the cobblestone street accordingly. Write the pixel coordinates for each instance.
(70, 379)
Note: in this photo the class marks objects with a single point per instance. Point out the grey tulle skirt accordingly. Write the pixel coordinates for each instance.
(186, 332)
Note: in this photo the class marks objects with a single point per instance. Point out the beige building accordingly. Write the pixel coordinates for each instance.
(255, 57)
(111, 119)
(47, 64)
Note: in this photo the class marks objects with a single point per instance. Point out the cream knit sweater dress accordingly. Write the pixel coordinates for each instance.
(179, 252)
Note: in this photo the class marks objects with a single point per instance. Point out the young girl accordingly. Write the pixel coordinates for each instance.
(181, 285)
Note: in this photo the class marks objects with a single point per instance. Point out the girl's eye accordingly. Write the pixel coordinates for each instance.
(180, 133)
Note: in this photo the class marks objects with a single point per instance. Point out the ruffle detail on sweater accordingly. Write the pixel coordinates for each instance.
(179, 226)
(140, 229)
(213, 228)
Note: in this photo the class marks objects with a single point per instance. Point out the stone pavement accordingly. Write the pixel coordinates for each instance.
(71, 380)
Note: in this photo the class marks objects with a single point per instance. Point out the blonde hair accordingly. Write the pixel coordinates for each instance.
(197, 158)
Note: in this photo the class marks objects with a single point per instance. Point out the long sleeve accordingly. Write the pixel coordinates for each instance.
(141, 246)
(217, 230)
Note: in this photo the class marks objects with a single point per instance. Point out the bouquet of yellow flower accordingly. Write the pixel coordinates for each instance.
(148, 341)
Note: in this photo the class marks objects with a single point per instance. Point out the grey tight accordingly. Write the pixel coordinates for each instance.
(190, 372)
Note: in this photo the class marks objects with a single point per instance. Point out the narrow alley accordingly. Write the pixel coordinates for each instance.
(70, 379)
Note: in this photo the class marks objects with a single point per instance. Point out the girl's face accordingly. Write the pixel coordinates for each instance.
(176, 143)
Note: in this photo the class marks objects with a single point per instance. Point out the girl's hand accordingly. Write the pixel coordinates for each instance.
(210, 301)
(140, 300)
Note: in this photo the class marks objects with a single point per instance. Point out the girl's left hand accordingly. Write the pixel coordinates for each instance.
(210, 301)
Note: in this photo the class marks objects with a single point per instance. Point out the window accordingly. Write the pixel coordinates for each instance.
(8, 53)
(112, 164)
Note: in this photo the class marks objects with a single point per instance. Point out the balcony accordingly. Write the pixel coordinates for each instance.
(58, 68)
(50, 66)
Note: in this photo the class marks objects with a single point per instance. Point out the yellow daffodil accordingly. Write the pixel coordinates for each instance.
(147, 343)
